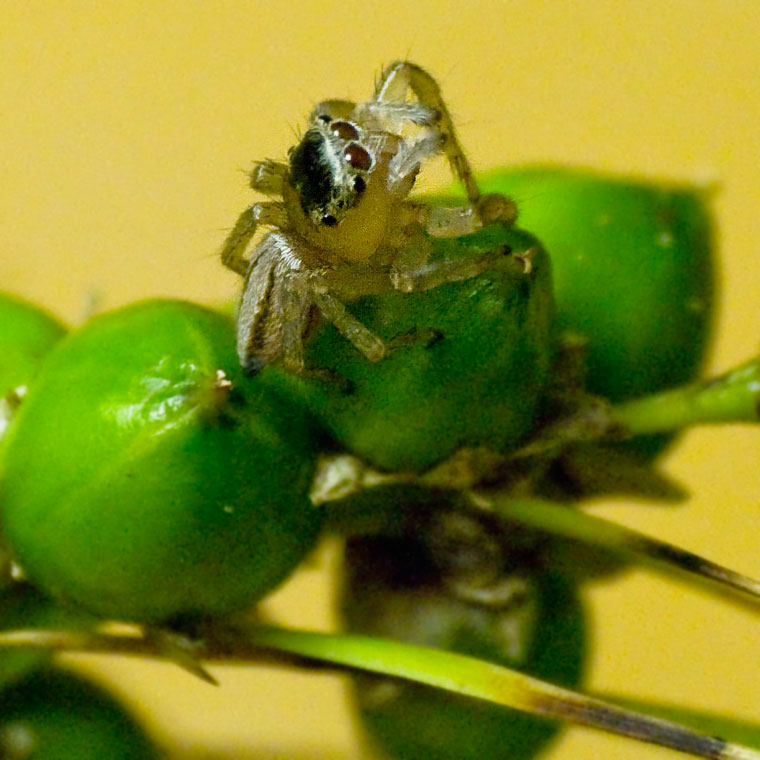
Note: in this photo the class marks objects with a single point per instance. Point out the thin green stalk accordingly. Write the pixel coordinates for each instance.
(731, 397)
(465, 675)
(561, 520)
(445, 670)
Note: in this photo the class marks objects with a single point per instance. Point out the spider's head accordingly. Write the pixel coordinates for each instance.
(329, 170)
(338, 193)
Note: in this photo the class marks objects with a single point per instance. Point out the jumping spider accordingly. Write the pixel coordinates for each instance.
(343, 226)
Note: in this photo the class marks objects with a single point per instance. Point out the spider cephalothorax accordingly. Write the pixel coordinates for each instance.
(344, 225)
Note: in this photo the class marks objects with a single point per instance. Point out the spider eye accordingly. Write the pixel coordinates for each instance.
(329, 220)
(325, 118)
(359, 185)
(358, 158)
(344, 130)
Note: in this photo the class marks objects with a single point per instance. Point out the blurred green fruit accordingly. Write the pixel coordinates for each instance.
(478, 384)
(146, 479)
(633, 272)
(26, 335)
(55, 715)
(459, 593)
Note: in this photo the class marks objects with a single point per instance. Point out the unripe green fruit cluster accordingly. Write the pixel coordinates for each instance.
(145, 478)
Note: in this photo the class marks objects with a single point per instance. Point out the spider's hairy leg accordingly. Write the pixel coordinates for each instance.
(410, 154)
(455, 270)
(357, 281)
(402, 76)
(268, 177)
(275, 308)
(296, 314)
(457, 221)
(395, 82)
(362, 338)
(234, 247)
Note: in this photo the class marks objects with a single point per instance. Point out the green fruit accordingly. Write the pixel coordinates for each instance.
(146, 479)
(415, 590)
(478, 385)
(55, 715)
(633, 272)
(26, 335)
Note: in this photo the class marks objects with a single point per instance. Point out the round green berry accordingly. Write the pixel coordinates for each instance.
(26, 335)
(472, 368)
(55, 715)
(145, 478)
(633, 272)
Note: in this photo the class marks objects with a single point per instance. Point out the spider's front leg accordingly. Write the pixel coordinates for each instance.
(390, 99)
(457, 221)
(326, 289)
(437, 273)
(276, 309)
(402, 76)
(278, 306)
(266, 177)
(237, 242)
(361, 337)
(411, 269)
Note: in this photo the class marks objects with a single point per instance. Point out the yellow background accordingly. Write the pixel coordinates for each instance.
(125, 131)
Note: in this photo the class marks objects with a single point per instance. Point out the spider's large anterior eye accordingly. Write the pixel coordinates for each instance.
(344, 130)
(358, 158)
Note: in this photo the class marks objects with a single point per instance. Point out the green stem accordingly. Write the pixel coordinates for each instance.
(731, 397)
(561, 520)
(465, 675)
(445, 670)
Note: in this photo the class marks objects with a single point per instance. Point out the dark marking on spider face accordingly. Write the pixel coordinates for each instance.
(325, 171)
(311, 171)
